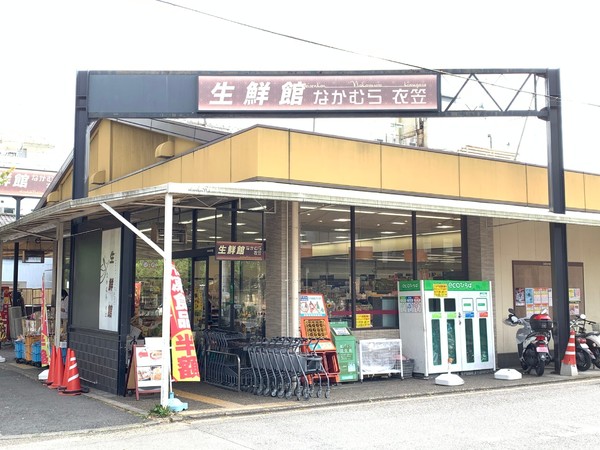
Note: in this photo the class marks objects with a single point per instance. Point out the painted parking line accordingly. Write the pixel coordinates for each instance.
(205, 399)
(224, 403)
(23, 366)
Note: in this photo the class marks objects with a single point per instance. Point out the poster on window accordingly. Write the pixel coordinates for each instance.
(110, 265)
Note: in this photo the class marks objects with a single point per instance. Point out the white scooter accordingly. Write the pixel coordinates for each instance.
(589, 341)
(532, 340)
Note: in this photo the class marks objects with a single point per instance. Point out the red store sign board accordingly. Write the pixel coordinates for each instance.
(26, 183)
(270, 93)
(239, 251)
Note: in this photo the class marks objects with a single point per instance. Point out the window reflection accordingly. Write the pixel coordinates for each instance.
(383, 255)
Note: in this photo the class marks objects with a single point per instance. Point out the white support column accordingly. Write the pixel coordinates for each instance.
(166, 303)
(294, 275)
(58, 279)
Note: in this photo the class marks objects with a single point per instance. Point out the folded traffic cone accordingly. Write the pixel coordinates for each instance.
(58, 369)
(569, 364)
(72, 383)
(48, 381)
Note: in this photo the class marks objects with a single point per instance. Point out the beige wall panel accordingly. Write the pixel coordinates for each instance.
(326, 160)
(522, 241)
(66, 187)
(574, 190)
(244, 155)
(537, 186)
(130, 183)
(105, 148)
(592, 192)
(133, 149)
(156, 176)
(184, 145)
(101, 190)
(213, 164)
(173, 168)
(530, 241)
(187, 169)
(419, 171)
(273, 155)
(93, 154)
(584, 246)
(492, 180)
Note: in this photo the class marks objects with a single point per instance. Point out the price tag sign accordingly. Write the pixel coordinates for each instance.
(440, 290)
(363, 321)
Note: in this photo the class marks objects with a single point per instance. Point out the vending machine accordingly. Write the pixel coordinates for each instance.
(447, 325)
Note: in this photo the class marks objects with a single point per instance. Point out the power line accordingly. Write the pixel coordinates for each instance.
(352, 52)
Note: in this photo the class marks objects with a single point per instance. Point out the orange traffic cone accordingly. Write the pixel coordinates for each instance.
(48, 381)
(72, 383)
(58, 369)
(569, 364)
(65, 376)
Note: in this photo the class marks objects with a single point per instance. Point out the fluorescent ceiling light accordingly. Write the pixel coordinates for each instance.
(200, 219)
(394, 214)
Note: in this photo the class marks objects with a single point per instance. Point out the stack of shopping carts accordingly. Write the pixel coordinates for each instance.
(286, 367)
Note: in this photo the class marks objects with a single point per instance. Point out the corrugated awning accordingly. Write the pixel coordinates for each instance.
(44, 221)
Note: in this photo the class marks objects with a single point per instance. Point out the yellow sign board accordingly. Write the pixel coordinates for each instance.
(440, 290)
(363, 321)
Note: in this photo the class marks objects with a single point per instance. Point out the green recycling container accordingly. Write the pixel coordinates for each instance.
(345, 345)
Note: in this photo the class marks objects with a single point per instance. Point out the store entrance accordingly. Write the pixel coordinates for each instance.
(206, 292)
(243, 297)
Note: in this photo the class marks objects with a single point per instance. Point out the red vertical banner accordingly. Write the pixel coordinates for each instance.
(184, 362)
(44, 344)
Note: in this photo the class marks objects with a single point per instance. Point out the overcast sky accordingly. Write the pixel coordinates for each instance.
(45, 43)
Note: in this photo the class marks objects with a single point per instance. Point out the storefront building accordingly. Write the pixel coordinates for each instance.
(266, 213)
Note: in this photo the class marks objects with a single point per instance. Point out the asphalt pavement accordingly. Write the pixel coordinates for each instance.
(30, 408)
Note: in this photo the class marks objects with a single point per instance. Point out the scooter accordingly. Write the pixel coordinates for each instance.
(588, 341)
(532, 340)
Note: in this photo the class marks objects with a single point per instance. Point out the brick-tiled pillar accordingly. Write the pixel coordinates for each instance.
(279, 295)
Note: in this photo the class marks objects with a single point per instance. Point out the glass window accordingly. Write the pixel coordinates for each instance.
(381, 239)
(439, 251)
(325, 252)
(211, 225)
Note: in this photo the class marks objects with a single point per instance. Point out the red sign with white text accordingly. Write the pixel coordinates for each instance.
(304, 92)
(26, 183)
(184, 361)
(239, 251)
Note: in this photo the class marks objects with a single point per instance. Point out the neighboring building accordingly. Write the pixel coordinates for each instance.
(342, 217)
(32, 167)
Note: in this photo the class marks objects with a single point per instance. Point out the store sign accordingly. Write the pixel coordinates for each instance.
(183, 351)
(26, 183)
(279, 93)
(239, 251)
(110, 267)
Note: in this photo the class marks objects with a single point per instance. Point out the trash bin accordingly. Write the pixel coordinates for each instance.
(345, 344)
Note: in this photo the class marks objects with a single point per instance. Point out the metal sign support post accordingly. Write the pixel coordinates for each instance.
(166, 304)
(558, 231)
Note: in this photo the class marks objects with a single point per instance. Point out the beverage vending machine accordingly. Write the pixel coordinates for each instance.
(447, 325)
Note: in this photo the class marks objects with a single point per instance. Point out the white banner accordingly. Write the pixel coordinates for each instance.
(110, 267)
